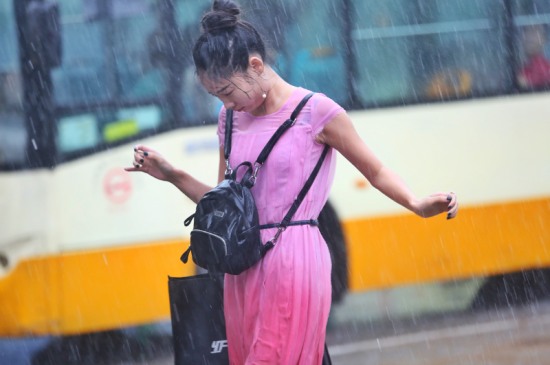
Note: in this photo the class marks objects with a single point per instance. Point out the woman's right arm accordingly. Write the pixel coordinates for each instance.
(151, 162)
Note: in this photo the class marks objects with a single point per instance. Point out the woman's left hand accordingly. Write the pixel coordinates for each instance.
(436, 204)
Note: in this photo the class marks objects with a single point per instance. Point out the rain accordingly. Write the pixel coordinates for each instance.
(450, 94)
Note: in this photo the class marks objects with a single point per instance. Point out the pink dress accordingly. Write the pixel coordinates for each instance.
(276, 312)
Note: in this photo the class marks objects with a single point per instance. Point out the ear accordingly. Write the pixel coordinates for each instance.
(256, 64)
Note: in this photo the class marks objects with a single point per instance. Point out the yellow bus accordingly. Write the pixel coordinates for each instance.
(433, 87)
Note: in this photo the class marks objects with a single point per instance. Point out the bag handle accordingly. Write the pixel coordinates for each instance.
(247, 177)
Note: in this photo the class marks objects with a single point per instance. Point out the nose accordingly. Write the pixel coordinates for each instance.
(228, 104)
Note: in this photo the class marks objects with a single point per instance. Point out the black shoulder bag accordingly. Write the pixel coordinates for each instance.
(226, 230)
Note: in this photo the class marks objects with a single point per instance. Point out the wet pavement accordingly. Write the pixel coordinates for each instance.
(506, 336)
(509, 336)
(519, 336)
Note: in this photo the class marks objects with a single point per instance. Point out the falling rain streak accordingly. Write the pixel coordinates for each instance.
(458, 89)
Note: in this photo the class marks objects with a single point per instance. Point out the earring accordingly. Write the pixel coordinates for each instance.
(264, 95)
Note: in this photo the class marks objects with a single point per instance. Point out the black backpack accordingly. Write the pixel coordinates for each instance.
(226, 230)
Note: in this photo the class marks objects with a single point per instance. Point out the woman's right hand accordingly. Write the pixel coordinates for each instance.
(151, 162)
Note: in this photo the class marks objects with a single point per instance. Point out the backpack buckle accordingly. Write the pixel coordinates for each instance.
(280, 230)
(228, 169)
(257, 167)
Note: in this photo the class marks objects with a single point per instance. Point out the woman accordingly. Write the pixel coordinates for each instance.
(276, 312)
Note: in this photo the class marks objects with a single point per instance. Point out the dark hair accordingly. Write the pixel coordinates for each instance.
(226, 42)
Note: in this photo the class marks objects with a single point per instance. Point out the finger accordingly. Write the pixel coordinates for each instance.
(139, 153)
(140, 156)
(453, 212)
(451, 196)
(136, 167)
(451, 199)
(451, 215)
(144, 150)
(138, 160)
(440, 197)
(455, 209)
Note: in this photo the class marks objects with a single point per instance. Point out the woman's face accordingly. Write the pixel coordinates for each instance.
(240, 92)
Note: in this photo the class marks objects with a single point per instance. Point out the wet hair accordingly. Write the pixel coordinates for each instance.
(226, 42)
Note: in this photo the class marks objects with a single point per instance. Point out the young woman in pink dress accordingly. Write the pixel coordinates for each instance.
(276, 312)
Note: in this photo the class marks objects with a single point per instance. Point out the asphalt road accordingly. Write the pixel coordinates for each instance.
(509, 336)
(519, 336)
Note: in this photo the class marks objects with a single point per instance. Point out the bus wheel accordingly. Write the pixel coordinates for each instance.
(332, 232)
(513, 289)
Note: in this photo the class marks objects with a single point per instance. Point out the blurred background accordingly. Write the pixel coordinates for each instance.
(451, 94)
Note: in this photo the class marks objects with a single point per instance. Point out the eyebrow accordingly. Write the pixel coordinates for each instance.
(223, 88)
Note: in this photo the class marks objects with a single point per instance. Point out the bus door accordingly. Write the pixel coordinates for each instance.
(25, 178)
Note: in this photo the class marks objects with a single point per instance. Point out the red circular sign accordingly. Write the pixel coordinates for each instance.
(117, 185)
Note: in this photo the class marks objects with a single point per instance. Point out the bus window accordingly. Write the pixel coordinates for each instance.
(418, 50)
(77, 132)
(12, 125)
(532, 22)
(126, 71)
(199, 107)
(81, 77)
(305, 42)
(382, 59)
(106, 53)
(313, 47)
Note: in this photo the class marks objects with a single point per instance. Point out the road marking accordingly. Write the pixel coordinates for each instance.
(433, 335)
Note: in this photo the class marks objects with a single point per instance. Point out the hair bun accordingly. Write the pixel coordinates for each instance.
(223, 16)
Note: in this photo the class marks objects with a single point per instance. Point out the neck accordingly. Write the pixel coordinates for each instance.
(277, 93)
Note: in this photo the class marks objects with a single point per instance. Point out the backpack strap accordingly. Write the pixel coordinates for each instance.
(281, 130)
(262, 157)
(287, 219)
(227, 140)
(270, 144)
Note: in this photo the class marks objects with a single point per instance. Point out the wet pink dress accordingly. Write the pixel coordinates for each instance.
(276, 312)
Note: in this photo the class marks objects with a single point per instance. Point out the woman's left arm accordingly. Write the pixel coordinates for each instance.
(340, 134)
